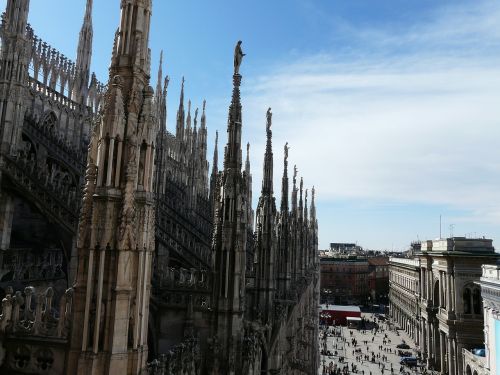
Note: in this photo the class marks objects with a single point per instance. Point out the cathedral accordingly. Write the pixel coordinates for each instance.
(122, 250)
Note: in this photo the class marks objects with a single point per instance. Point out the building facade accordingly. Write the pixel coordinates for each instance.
(487, 361)
(345, 280)
(449, 317)
(404, 295)
(119, 253)
(379, 279)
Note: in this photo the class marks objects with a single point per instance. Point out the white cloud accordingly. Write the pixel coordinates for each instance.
(419, 126)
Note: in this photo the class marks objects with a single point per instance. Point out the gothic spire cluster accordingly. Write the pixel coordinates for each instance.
(169, 261)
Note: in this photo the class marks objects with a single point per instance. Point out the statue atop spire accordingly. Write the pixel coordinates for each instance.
(238, 57)
(269, 117)
(232, 153)
(203, 117)
(267, 183)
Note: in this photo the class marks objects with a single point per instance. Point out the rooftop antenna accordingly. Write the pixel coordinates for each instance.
(452, 226)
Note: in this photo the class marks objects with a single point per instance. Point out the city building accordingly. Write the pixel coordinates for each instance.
(485, 359)
(352, 278)
(379, 279)
(119, 254)
(344, 247)
(345, 280)
(445, 312)
(404, 285)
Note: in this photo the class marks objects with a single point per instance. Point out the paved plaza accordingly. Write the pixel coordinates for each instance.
(368, 352)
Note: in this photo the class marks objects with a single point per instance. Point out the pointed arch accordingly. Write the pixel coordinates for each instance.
(49, 122)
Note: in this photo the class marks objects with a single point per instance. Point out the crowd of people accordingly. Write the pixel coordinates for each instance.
(342, 354)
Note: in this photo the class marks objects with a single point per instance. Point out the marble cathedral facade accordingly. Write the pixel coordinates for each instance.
(121, 251)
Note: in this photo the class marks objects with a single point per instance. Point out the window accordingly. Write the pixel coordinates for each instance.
(467, 301)
(476, 301)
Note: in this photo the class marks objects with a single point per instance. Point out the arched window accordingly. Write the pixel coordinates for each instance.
(49, 122)
(476, 301)
(467, 301)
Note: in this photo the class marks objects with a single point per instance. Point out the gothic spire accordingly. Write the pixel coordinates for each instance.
(203, 116)
(202, 144)
(232, 157)
(301, 205)
(123, 244)
(160, 96)
(248, 179)
(195, 132)
(215, 161)
(313, 205)
(179, 128)
(247, 162)
(160, 74)
(284, 184)
(305, 207)
(213, 193)
(14, 51)
(16, 15)
(188, 131)
(132, 49)
(84, 55)
(188, 119)
(267, 181)
(294, 190)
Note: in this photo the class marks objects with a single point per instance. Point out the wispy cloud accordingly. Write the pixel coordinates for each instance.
(417, 124)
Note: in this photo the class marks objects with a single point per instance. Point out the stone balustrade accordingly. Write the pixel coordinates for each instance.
(33, 313)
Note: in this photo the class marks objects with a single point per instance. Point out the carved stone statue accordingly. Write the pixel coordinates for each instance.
(269, 117)
(238, 57)
(286, 151)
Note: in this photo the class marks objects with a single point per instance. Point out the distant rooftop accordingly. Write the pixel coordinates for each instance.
(342, 258)
(459, 245)
(379, 261)
(412, 262)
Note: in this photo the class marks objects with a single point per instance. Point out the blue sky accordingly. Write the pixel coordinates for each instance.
(391, 108)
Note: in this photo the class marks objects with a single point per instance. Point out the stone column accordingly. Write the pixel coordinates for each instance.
(442, 351)
(6, 216)
(423, 337)
(441, 286)
(451, 359)
(429, 343)
(453, 294)
(421, 282)
(449, 305)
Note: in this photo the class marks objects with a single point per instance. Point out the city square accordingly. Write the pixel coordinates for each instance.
(368, 351)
